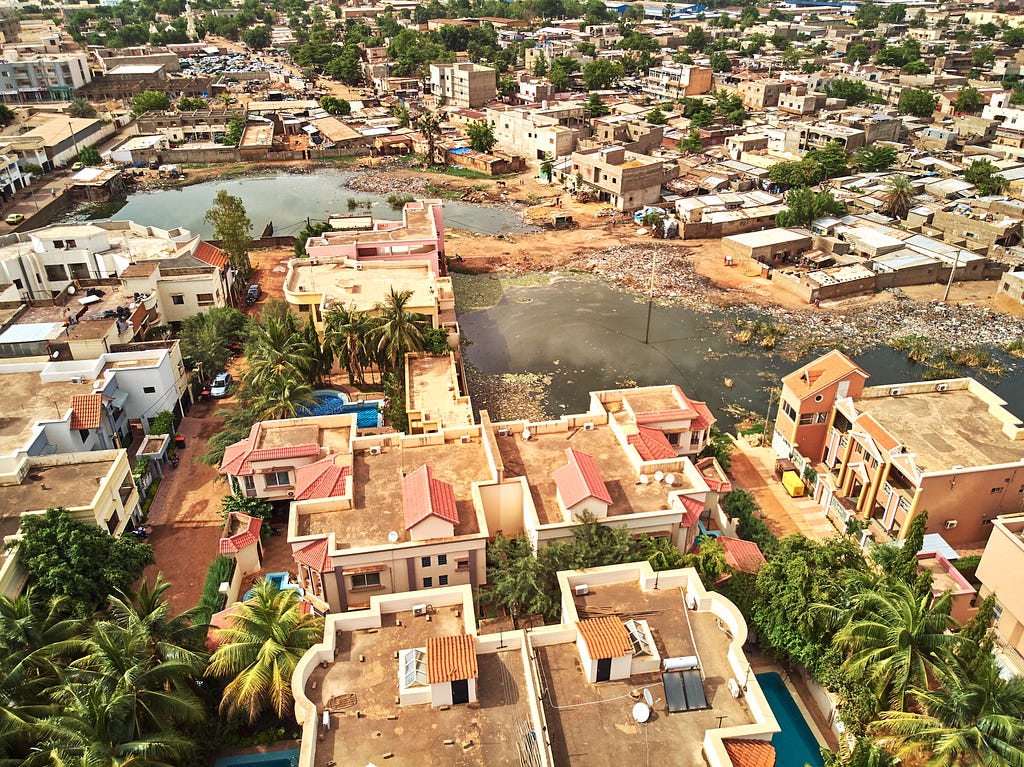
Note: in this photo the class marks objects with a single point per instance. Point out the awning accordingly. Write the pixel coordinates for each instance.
(364, 569)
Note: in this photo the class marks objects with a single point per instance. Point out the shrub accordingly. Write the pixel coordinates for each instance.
(741, 505)
(163, 423)
(220, 570)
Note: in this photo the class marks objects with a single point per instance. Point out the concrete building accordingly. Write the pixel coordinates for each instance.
(625, 180)
(727, 213)
(676, 82)
(999, 573)
(504, 697)
(56, 142)
(434, 397)
(801, 137)
(770, 246)
(1012, 285)
(887, 453)
(760, 94)
(28, 77)
(463, 84)
(535, 132)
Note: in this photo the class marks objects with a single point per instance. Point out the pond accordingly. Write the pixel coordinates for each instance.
(288, 199)
(587, 335)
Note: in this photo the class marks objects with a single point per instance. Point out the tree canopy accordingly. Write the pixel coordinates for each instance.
(150, 101)
(231, 226)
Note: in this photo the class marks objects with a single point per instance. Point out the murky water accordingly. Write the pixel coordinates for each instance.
(288, 199)
(587, 335)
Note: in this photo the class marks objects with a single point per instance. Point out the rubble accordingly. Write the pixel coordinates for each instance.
(387, 183)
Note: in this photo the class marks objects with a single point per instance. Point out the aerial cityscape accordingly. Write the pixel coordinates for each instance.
(511, 382)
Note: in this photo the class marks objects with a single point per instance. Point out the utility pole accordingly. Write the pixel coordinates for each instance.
(650, 298)
(952, 272)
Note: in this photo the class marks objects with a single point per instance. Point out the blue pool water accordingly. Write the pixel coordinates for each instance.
(288, 758)
(796, 744)
(330, 402)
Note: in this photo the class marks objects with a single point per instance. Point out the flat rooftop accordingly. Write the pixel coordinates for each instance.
(361, 289)
(606, 733)
(32, 401)
(944, 429)
(538, 458)
(131, 244)
(377, 490)
(434, 390)
(335, 439)
(416, 734)
(92, 322)
(45, 487)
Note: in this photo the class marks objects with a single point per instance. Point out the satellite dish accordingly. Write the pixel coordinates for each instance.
(55, 355)
(670, 479)
(72, 290)
(641, 712)
(648, 698)
(644, 479)
(659, 475)
(393, 536)
(526, 434)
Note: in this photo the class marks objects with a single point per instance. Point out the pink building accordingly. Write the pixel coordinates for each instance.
(419, 236)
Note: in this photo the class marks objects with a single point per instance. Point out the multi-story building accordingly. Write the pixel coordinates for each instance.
(27, 77)
(463, 84)
(759, 94)
(801, 137)
(999, 572)
(536, 132)
(625, 180)
(676, 82)
(56, 142)
(373, 513)
(886, 453)
(543, 696)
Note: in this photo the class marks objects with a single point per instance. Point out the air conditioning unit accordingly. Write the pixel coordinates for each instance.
(375, 450)
(76, 379)
(942, 387)
(734, 688)
(895, 391)
(588, 426)
(502, 432)
(359, 267)
(465, 438)
(291, 493)
(581, 590)
(951, 523)
(419, 610)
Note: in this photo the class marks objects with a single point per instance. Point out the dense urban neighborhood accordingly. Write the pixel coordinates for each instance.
(519, 382)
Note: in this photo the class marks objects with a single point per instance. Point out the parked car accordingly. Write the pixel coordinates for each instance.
(220, 384)
(252, 295)
(78, 166)
(14, 218)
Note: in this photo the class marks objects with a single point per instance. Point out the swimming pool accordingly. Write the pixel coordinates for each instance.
(288, 758)
(331, 402)
(796, 745)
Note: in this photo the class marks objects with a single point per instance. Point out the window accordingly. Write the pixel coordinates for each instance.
(695, 437)
(442, 580)
(788, 410)
(414, 668)
(807, 420)
(638, 638)
(996, 490)
(204, 299)
(428, 583)
(424, 561)
(303, 308)
(365, 580)
(461, 565)
(277, 479)
(997, 612)
(149, 390)
(56, 272)
(822, 418)
(250, 483)
(442, 559)
(177, 299)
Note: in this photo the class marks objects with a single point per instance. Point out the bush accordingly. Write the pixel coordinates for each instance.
(741, 505)
(968, 566)
(163, 423)
(220, 570)
(147, 500)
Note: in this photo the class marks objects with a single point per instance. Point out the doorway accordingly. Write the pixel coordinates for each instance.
(604, 669)
(460, 691)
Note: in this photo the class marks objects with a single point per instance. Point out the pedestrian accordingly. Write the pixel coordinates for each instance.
(53, 193)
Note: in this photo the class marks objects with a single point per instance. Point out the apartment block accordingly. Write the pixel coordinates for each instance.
(536, 131)
(625, 180)
(676, 82)
(32, 77)
(633, 652)
(463, 84)
(886, 453)
(999, 572)
(804, 136)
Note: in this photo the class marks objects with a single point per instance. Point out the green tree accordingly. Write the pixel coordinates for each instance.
(233, 134)
(540, 65)
(656, 117)
(854, 92)
(206, 338)
(867, 15)
(514, 577)
(430, 126)
(79, 108)
(803, 205)
(968, 100)
(719, 447)
(595, 106)
(977, 639)
(692, 144)
(335, 106)
(985, 176)
(832, 159)
(559, 78)
(917, 102)
(857, 52)
(276, 350)
(983, 56)
(1013, 36)
(974, 719)
(898, 196)
(231, 226)
(895, 13)
(66, 557)
(806, 172)
(917, 67)
(547, 167)
(397, 331)
(150, 101)
(310, 230)
(347, 331)
(90, 155)
(696, 39)
(720, 62)
(259, 650)
(249, 505)
(874, 158)
(481, 136)
(257, 37)
(6, 115)
(600, 74)
(189, 104)
(282, 394)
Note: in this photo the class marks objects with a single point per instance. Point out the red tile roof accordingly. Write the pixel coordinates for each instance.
(749, 753)
(314, 556)
(423, 496)
(579, 479)
(212, 255)
(322, 479)
(605, 637)
(683, 412)
(718, 485)
(877, 432)
(704, 418)
(694, 508)
(86, 410)
(652, 444)
(821, 373)
(248, 533)
(741, 555)
(451, 658)
(239, 457)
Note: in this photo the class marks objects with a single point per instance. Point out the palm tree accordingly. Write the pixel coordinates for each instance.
(975, 719)
(398, 331)
(898, 196)
(275, 345)
(80, 107)
(268, 635)
(319, 352)
(170, 638)
(346, 332)
(282, 394)
(897, 639)
(430, 127)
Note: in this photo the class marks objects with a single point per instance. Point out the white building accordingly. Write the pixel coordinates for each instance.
(41, 77)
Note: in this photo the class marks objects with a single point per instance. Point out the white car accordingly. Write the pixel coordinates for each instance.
(220, 384)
